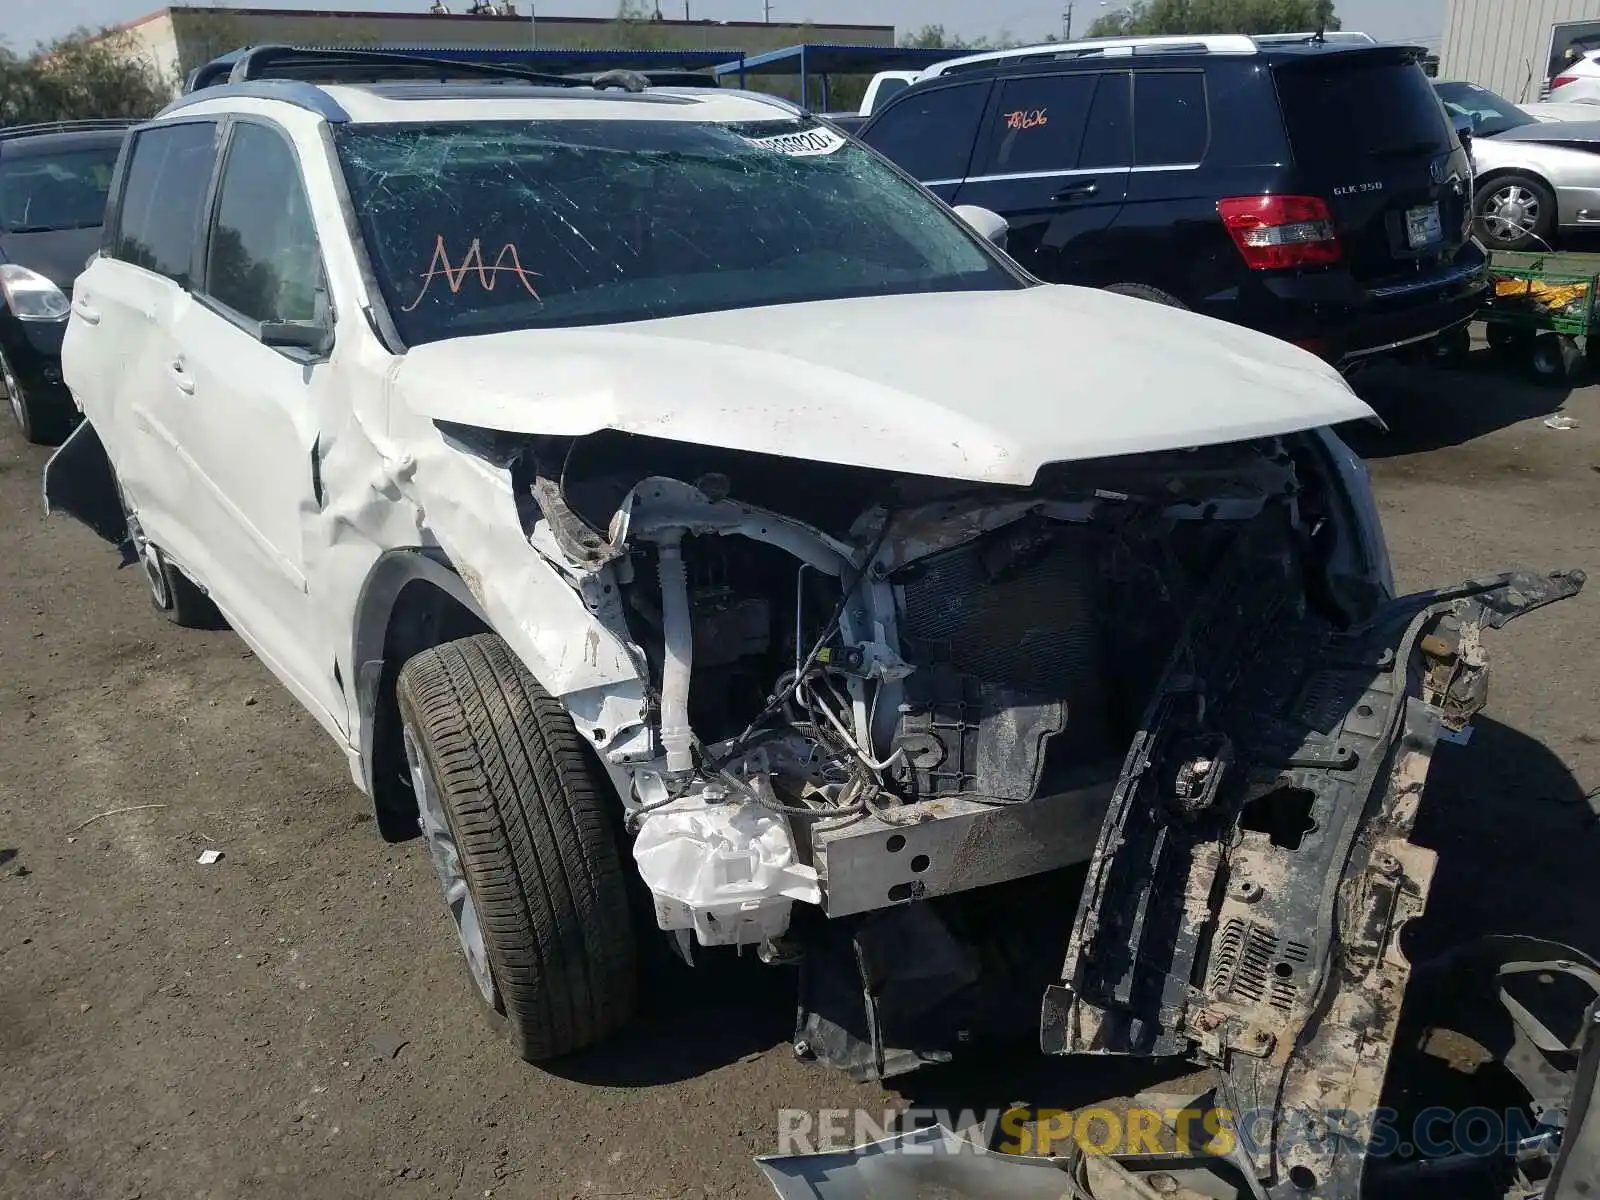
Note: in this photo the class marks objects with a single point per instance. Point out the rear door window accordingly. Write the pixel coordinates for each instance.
(1343, 115)
(1171, 122)
(160, 214)
(1108, 140)
(930, 134)
(1038, 124)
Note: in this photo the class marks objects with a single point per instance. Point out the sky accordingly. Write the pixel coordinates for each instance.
(24, 23)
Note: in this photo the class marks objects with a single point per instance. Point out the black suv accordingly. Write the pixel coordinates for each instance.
(53, 185)
(1315, 192)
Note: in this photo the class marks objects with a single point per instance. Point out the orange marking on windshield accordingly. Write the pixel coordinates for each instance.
(455, 278)
(1024, 119)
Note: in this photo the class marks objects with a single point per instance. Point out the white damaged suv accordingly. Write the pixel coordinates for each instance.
(657, 494)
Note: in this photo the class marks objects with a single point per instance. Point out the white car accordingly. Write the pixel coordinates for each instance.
(661, 479)
(1553, 113)
(1579, 80)
(1536, 179)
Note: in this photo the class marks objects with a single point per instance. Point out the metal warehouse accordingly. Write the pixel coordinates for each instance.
(1514, 46)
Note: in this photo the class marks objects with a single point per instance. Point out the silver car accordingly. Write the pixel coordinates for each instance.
(1535, 179)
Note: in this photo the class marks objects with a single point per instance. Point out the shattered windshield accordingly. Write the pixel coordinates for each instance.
(479, 227)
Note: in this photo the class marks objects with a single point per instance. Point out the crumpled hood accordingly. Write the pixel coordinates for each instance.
(986, 386)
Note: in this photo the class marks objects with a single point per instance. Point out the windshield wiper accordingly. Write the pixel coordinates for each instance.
(37, 228)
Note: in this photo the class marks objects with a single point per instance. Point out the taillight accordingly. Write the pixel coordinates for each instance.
(1562, 81)
(1273, 232)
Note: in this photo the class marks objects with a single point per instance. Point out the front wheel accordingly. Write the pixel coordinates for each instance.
(517, 820)
(1516, 212)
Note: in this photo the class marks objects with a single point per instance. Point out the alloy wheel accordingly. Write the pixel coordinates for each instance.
(1511, 213)
(446, 858)
(149, 560)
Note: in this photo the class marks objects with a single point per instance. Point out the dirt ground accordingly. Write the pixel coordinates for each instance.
(293, 1021)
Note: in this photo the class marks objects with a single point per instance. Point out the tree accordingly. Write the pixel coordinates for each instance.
(1216, 16)
(82, 75)
(204, 36)
(638, 26)
(929, 37)
(934, 37)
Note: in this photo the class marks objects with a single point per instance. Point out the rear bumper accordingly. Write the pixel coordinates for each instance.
(1344, 321)
(1380, 335)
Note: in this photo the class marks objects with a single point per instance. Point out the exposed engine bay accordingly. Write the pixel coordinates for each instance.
(906, 688)
(876, 703)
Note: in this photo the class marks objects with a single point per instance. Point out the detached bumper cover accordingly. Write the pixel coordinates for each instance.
(1244, 902)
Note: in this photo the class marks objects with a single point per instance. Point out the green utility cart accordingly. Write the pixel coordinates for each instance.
(1539, 306)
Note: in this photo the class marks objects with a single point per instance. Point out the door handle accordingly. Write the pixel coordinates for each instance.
(181, 377)
(91, 316)
(1078, 191)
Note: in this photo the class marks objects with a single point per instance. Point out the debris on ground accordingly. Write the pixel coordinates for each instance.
(388, 1045)
(207, 857)
(1560, 421)
(113, 812)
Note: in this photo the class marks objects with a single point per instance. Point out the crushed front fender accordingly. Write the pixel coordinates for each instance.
(1244, 902)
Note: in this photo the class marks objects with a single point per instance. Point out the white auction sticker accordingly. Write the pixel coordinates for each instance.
(802, 144)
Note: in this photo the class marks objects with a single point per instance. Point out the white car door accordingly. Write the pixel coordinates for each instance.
(118, 345)
(250, 433)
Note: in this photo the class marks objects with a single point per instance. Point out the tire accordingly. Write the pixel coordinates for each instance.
(43, 422)
(518, 822)
(1554, 359)
(177, 597)
(1451, 349)
(1515, 212)
(1509, 340)
(1143, 291)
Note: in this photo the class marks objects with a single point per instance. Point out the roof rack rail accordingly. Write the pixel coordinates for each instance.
(86, 126)
(1117, 47)
(367, 66)
(1330, 37)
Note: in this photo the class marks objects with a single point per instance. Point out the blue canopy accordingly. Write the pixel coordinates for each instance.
(822, 59)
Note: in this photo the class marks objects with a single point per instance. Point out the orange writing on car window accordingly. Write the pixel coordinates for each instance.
(1024, 119)
(455, 277)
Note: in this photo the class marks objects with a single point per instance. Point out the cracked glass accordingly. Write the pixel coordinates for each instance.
(483, 227)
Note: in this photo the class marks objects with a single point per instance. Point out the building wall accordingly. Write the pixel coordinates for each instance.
(1504, 45)
(151, 38)
(179, 39)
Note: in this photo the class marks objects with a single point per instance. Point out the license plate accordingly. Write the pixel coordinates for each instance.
(1423, 227)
